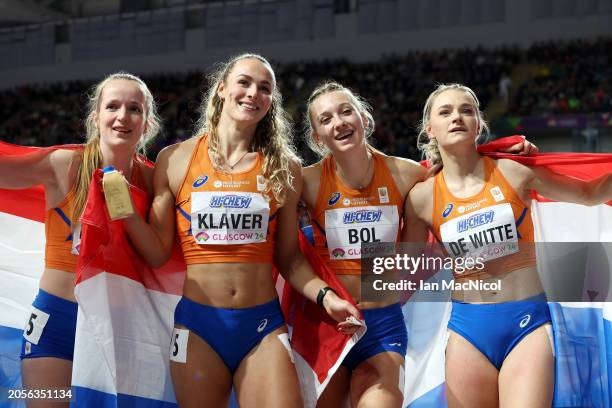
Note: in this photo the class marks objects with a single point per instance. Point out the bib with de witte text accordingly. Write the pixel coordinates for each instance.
(488, 233)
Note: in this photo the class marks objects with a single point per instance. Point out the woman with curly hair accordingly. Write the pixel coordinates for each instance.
(232, 191)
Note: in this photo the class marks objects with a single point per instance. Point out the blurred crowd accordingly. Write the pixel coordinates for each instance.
(569, 77)
(572, 77)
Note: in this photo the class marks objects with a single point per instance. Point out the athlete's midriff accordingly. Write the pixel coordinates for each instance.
(230, 285)
(59, 283)
(353, 284)
(514, 285)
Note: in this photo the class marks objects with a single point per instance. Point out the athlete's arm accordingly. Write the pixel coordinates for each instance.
(557, 186)
(417, 226)
(154, 240)
(311, 176)
(417, 216)
(291, 263)
(44, 166)
(407, 173)
(563, 188)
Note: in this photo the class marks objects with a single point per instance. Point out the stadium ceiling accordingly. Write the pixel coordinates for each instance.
(21, 12)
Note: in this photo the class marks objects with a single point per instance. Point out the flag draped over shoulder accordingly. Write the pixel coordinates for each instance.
(125, 308)
(582, 330)
(582, 327)
(126, 314)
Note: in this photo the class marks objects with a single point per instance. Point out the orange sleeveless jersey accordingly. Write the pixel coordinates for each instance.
(494, 224)
(224, 218)
(344, 218)
(58, 230)
(58, 236)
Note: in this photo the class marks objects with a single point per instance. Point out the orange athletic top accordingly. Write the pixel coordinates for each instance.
(344, 218)
(222, 217)
(59, 234)
(493, 224)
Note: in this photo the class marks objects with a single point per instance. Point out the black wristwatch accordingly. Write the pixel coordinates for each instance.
(322, 294)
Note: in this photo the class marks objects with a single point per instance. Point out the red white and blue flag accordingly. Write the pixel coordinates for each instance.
(126, 310)
(22, 240)
(125, 316)
(582, 330)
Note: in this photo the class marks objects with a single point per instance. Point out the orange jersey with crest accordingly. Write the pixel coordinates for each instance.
(344, 218)
(59, 233)
(222, 217)
(493, 224)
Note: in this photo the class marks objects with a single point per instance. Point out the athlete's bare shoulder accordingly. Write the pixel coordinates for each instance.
(178, 151)
(518, 175)
(406, 172)
(174, 160)
(312, 171)
(311, 176)
(512, 168)
(420, 199)
(423, 188)
(146, 169)
(64, 164)
(63, 153)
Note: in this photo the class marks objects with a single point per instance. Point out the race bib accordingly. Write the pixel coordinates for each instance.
(36, 324)
(347, 229)
(221, 218)
(178, 348)
(488, 233)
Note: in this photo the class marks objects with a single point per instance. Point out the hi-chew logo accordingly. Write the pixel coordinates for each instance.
(475, 220)
(334, 198)
(200, 181)
(230, 201)
(362, 216)
(338, 253)
(447, 210)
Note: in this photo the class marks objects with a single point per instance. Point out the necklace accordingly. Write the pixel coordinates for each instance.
(362, 183)
(231, 166)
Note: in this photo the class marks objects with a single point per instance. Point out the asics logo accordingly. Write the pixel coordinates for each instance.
(395, 344)
(333, 199)
(525, 321)
(447, 210)
(262, 325)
